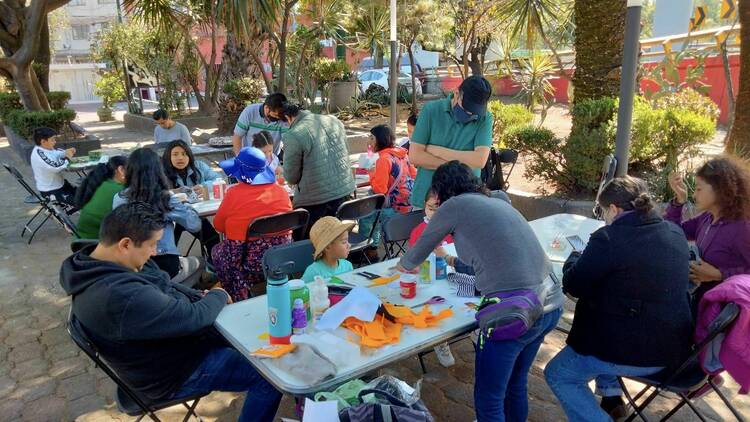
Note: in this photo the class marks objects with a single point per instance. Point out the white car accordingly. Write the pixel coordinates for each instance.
(380, 77)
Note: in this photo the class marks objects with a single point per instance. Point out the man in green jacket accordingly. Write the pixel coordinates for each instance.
(316, 160)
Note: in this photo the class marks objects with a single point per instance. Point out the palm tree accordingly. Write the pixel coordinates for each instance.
(599, 42)
(370, 28)
(739, 137)
(536, 18)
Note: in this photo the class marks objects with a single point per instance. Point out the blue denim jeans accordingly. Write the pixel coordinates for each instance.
(365, 224)
(225, 369)
(569, 373)
(501, 373)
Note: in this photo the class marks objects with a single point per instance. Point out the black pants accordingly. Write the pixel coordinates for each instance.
(168, 263)
(319, 211)
(207, 236)
(65, 194)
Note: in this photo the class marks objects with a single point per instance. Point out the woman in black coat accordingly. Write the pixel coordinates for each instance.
(632, 316)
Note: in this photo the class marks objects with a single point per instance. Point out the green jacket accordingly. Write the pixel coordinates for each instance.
(94, 211)
(316, 159)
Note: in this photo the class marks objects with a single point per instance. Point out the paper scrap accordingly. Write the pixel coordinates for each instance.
(320, 411)
(360, 303)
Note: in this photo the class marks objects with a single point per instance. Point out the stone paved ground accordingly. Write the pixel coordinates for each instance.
(43, 376)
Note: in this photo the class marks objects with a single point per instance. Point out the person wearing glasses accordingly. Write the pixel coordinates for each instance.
(458, 127)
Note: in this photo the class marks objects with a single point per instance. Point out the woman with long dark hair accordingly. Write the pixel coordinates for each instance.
(94, 195)
(632, 316)
(181, 167)
(509, 261)
(145, 182)
(722, 230)
(183, 172)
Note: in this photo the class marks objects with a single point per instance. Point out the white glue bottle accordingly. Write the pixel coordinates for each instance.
(319, 301)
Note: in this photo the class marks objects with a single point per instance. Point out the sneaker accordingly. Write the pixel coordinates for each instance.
(443, 352)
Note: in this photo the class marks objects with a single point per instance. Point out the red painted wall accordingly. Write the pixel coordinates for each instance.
(713, 75)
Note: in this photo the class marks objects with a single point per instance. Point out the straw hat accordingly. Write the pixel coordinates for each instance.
(325, 231)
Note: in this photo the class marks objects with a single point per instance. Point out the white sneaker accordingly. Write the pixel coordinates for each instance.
(443, 352)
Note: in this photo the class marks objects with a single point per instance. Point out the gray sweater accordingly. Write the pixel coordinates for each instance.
(491, 236)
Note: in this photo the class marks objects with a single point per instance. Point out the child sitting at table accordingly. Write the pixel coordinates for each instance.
(264, 142)
(48, 163)
(330, 238)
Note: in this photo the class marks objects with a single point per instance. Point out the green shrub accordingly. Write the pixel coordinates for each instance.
(507, 117)
(245, 90)
(689, 99)
(543, 152)
(24, 122)
(58, 99)
(9, 101)
(325, 70)
(110, 88)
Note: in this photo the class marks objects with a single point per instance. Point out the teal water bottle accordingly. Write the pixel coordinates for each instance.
(279, 311)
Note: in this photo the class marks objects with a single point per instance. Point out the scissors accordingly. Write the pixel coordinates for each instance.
(435, 300)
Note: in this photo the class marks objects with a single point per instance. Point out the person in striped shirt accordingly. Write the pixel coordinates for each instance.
(256, 118)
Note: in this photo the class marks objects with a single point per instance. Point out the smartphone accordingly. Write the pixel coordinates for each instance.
(695, 254)
(576, 242)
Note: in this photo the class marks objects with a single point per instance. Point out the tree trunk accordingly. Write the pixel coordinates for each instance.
(599, 43)
(25, 87)
(739, 137)
(236, 63)
(39, 89)
(43, 57)
(413, 78)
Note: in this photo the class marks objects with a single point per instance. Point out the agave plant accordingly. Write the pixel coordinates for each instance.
(667, 76)
(533, 77)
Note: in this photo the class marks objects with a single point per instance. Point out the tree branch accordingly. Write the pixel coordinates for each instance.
(56, 4)
(35, 14)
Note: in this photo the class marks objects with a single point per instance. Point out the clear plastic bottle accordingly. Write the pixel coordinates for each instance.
(319, 301)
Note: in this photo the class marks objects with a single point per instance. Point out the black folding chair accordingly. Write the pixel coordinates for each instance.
(689, 377)
(128, 400)
(356, 210)
(396, 232)
(494, 175)
(47, 206)
(300, 252)
(278, 223)
(609, 167)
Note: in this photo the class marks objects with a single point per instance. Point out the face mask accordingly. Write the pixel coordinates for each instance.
(461, 116)
(272, 119)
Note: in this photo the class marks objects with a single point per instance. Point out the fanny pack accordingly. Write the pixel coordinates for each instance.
(508, 315)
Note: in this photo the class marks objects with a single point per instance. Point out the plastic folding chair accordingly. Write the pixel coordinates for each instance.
(300, 252)
(47, 206)
(396, 232)
(356, 210)
(689, 377)
(128, 400)
(276, 224)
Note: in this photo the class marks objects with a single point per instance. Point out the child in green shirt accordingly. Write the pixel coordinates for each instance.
(330, 238)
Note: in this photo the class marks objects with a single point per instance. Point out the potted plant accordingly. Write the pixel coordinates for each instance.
(338, 81)
(109, 88)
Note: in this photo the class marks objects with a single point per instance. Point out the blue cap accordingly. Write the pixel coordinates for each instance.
(249, 166)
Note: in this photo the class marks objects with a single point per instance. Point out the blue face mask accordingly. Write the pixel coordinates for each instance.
(461, 116)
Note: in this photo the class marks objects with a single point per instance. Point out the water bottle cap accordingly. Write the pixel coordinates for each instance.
(296, 284)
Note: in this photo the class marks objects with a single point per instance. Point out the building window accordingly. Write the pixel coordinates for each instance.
(106, 1)
(80, 32)
(77, 3)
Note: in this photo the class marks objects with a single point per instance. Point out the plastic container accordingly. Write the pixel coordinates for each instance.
(279, 311)
(408, 284)
(298, 290)
(219, 189)
(428, 269)
(319, 301)
(209, 189)
(299, 319)
(441, 269)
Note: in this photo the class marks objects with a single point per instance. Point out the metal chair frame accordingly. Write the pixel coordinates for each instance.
(299, 252)
(396, 237)
(357, 209)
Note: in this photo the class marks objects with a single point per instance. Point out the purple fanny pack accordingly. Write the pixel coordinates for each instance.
(508, 315)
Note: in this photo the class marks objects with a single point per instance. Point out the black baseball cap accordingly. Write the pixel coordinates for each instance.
(476, 92)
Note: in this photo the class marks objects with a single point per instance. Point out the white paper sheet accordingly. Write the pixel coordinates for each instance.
(320, 411)
(360, 303)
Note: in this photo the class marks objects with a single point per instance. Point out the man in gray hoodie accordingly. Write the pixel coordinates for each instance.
(157, 335)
